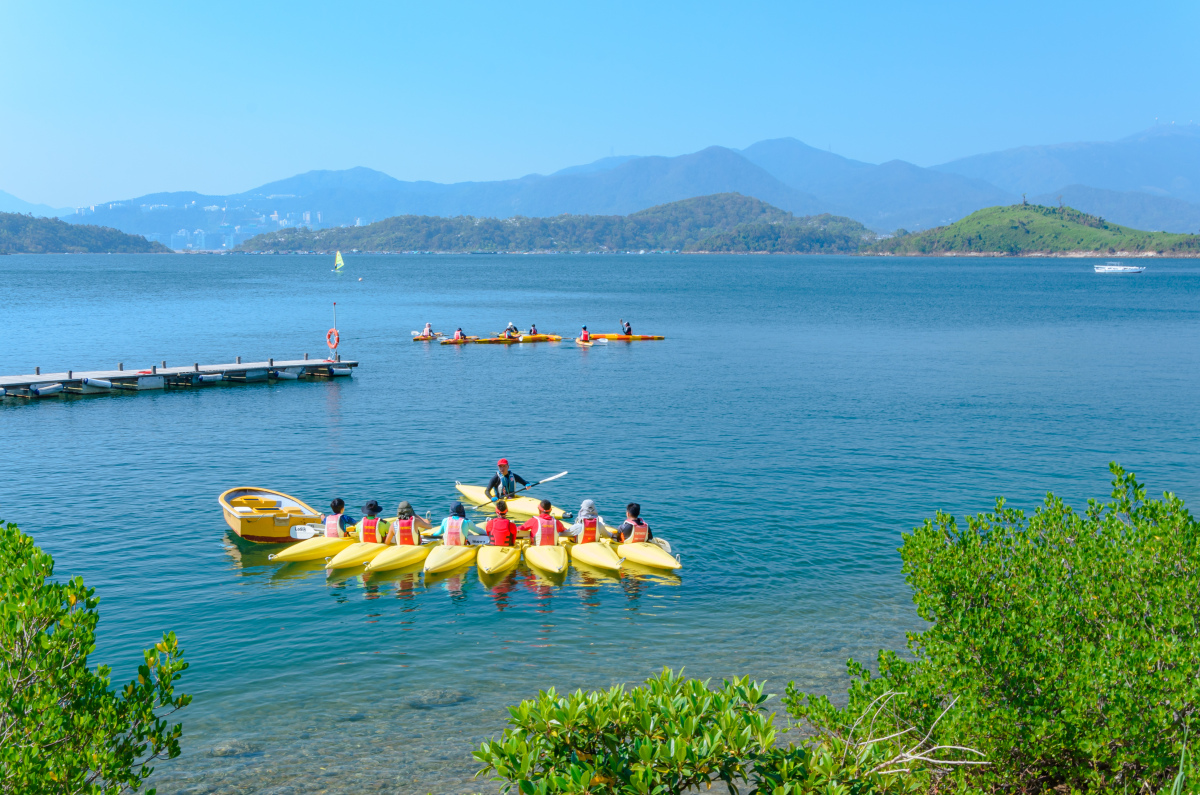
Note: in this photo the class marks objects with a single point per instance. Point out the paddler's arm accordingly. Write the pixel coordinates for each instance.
(422, 524)
(472, 528)
(518, 478)
(493, 484)
(438, 533)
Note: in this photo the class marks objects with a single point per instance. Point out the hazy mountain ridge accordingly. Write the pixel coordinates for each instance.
(27, 234)
(785, 172)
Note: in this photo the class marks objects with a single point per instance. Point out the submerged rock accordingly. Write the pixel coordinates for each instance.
(355, 718)
(429, 699)
(234, 748)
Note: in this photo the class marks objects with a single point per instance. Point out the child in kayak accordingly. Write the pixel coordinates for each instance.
(337, 521)
(500, 529)
(543, 528)
(369, 531)
(626, 329)
(634, 529)
(589, 526)
(406, 530)
(511, 331)
(584, 336)
(458, 334)
(428, 332)
(456, 527)
(533, 329)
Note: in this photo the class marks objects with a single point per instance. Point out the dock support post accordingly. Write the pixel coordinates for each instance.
(120, 365)
(197, 366)
(270, 362)
(164, 364)
(239, 360)
(154, 369)
(70, 374)
(306, 357)
(37, 371)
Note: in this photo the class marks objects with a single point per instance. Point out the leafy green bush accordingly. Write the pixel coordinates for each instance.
(62, 728)
(1067, 644)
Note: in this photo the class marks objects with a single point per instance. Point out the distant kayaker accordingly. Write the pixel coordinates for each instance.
(544, 529)
(533, 329)
(634, 529)
(589, 526)
(504, 483)
(584, 336)
(512, 331)
(456, 527)
(369, 530)
(406, 530)
(500, 529)
(428, 332)
(337, 521)
(626, 329)
(458, 334)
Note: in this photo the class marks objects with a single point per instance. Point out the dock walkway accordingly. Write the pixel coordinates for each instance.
(83, 382)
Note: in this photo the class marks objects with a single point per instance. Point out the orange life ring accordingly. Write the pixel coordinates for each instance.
(332, 338)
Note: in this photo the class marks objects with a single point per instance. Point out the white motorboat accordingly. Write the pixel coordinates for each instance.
(1112, 266)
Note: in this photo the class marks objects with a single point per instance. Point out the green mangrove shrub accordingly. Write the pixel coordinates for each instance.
(63, 728)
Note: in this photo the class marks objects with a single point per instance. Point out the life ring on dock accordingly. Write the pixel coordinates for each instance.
(332, 339)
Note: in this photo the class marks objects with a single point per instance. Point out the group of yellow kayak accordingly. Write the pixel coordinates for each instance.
(512, 335)
(379, 544)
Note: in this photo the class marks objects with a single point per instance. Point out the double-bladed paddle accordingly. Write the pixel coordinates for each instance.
(529, 486)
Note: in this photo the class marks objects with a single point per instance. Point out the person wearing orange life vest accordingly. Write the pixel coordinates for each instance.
(371, 528)
(406, 530)
(589, 526)
(337, 521)
(634, 530)
(456, 528)
(500, 529)
(543, 529)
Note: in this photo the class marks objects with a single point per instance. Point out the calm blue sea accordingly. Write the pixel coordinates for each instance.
(802, 413)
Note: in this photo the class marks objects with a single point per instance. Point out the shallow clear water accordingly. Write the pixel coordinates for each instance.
(802, 413)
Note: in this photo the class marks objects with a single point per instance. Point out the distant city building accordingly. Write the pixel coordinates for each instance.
(307, 218)
(198, 239)
(181, 240)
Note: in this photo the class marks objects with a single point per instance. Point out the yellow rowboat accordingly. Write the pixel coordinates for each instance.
(517, 506)
(355, 555)
(317, 548)
(552, 560)
(443, 558)
(400, 557)
(493, 560)
(265, 516)
(647, 554)
(598, 555)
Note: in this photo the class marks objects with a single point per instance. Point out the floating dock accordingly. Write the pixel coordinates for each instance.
(91, 382)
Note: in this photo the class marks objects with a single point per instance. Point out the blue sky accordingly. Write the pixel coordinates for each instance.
(103, 101)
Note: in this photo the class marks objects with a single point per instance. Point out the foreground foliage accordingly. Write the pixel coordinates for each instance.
(1063, 654)
(62, 728)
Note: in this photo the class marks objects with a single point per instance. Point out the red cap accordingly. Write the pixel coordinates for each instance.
(503, 462)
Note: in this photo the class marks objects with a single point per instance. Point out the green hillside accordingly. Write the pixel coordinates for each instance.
(721, 222)
(1032, 229)
(25, 234)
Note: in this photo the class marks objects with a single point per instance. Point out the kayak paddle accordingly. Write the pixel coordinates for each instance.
(529, 486)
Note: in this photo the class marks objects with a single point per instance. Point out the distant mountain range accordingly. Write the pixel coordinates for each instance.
(1147, 181)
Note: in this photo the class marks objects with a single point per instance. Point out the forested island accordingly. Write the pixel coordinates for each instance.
(27, 234)
(723, 222)
(1036, 230)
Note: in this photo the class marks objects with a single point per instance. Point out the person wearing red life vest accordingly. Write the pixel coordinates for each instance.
(371, 528)
(458, 334)
(543, 529)
(589, 526)
(456, 528)
(337, 520)
(585, 335)
(634, 529)
(406, 529)
(500, 529)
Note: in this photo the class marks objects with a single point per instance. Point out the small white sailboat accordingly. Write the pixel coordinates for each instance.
(1113, 266)
(338, 264)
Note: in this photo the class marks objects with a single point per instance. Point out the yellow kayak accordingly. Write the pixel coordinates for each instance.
(540, 338)
(355, 555)
(317, 548)
(647, 554)
(517, 506)
(442, 558)
(399, 557)
(598, 554)
(493, 560)
(552, 560)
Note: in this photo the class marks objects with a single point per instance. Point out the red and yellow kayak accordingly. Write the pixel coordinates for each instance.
(498, 341)
(541, 338)
(463, 341)
(626, 337)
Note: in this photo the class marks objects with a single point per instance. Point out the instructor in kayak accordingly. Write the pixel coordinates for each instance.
(456, 527)
(543, 529)
(406, 530)
(504, 483)
(626, 329)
